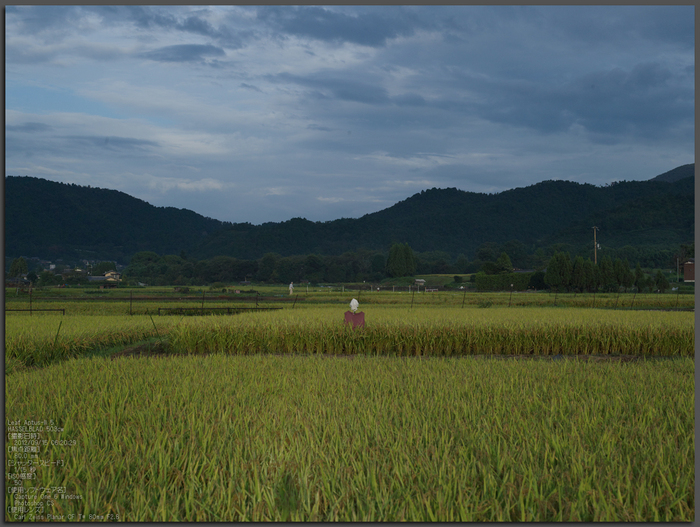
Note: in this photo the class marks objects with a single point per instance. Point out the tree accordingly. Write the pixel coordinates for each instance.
(638, 277)
(18, 267)
(607, 274)
(589, 274)
(267, 266)
(661, 281)
(487, 252)
(103, 267)
(410, 259)
(517, 252)
(504, 264)
(462, 264)
(401, 261)
(378, 263)
(628, 276)
(536, 281)
(578, 275)
(32, 277)
(623, 275)
(558, 274)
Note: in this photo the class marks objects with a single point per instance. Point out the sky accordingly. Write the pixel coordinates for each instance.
(266, 113)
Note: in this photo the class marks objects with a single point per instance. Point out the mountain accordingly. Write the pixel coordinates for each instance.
(55, 220)
(676, 174)
(457, 222)
(47, 219)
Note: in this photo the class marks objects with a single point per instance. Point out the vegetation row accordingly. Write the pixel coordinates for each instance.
(267, 438)
(422, 331)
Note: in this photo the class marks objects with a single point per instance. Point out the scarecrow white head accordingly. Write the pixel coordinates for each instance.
(354, 304)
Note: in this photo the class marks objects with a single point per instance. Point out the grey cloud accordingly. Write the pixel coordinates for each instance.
(348, 90)
(250, 87)
(409, 99)
(148, 17)
(371, 28)
(638, 102)
(112, 143)
(614, 24)
(29, 127)
(319, 128)
(183, 53)
(223, 35)
(22, 55)
(40, 19)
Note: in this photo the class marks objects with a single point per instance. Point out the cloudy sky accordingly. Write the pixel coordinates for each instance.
(265, 113)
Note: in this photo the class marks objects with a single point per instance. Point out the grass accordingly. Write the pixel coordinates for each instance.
(119, 301)
(270, 426)
(444, 331)
(391, 330)
(277, 438)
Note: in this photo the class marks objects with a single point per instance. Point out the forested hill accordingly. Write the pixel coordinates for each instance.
(47, 219)
(53, 220)
(676, 174)
(458, 222)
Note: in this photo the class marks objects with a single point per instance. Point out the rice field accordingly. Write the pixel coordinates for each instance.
(293, 438)
(118, 302)
(390, 330)
(444, 332)
(291, 416)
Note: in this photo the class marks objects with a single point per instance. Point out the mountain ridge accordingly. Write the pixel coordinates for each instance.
(47, 219)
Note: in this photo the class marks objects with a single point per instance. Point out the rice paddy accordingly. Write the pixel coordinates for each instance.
(289, 415)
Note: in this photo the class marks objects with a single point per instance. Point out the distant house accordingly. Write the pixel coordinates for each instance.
(113, 276)
(689, 270)
(17, 282)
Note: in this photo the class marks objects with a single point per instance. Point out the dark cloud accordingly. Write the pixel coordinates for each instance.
(29, 127)
(37, 20)
(250, 87)
(641, 101)
(607, 25)
(338, 25)
(409, 99)
(183, 53)
(111, 143)
(337, 88)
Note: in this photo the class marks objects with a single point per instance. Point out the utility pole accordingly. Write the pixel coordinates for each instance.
(595, 246)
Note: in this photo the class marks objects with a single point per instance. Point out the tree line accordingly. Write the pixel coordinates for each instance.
(583, 275)
(492, 271)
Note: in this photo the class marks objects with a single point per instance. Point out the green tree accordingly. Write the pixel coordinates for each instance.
(378, 263)
(558, 274)
(18, 267)
(487, 252)
(103, 267)
(578, 274)
(462, 264)
(607, 280)
(638, 277)
(410, 259)
(504, 264)
(661, 281)
(628, 275)
(401, 261)
(589, 275)
(623, 275)
(267, 266)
